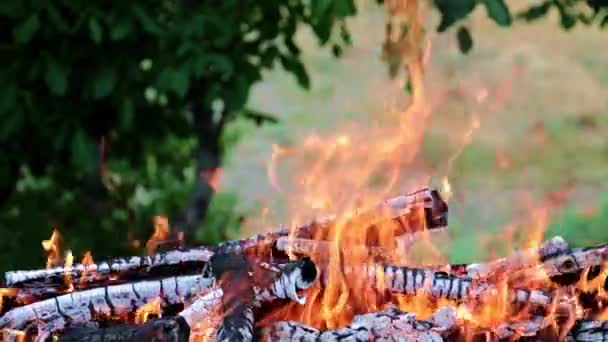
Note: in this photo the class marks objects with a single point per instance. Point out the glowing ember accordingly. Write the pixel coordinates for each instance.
(152, 308)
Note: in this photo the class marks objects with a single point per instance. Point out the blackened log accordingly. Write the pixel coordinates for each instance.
(232, 274)
(171, 329)
(387, 325)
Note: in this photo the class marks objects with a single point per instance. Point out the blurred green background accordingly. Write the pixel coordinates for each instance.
(113, 114)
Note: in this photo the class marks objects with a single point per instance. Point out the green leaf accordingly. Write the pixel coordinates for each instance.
(465, 41)
(268, 56)
(56, 77)
(498, 11)
(104, 82)
(260, 118)
(95, 30)
(147, 23)
(237, 93)
(180, 82)
(24, 32)
(127, 113)
(336, 50)
(604, 22)
(344, 8)
(219, 64)
(57, 19)
(318, 8)
(296, 67)
(84, 152)
(121, 29)
(567, 20)
(535, 12)
(453, 11)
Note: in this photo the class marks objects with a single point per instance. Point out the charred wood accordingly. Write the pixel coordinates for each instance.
(589, 330)
(231, 272)
(172, 329)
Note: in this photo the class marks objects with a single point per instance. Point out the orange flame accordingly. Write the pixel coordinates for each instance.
(161, 232)
(52, 248)
(69, 261)
(87, 259)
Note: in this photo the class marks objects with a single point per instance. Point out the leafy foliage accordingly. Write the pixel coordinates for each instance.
(97, 135)
(571, 12)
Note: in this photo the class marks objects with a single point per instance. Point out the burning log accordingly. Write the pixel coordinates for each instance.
(322, 249)
(387, 325)
(196, 259)
(568, 266)
(237, 300)
(519, 260)
(119, 301)
(288, 281)
(405, 210)
(104, 302)
(437, 284)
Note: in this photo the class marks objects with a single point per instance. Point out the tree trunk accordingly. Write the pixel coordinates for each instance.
(208, 159)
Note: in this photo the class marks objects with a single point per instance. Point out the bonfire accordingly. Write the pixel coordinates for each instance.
(299, 284)
(344, 277)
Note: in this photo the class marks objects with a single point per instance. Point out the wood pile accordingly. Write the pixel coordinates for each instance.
(245, 290)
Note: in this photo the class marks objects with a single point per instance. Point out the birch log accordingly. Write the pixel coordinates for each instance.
(437, 284)
(285, 281)
(519, 259)
(109, 301)
(119, 269)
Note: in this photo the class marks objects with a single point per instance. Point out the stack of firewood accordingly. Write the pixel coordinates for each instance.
(238, 290)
